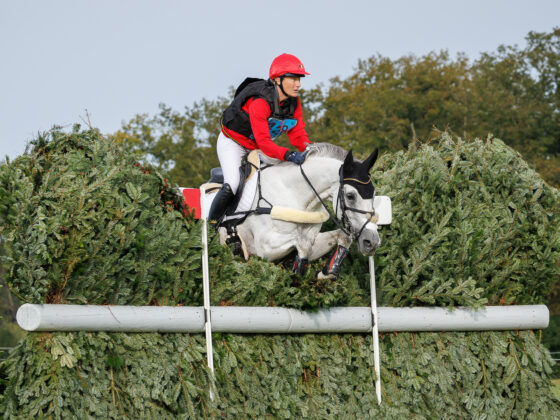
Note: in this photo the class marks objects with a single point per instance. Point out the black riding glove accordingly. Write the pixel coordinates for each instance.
(297, 157)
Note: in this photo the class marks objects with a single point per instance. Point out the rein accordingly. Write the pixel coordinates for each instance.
(331, 216)
(344, 224)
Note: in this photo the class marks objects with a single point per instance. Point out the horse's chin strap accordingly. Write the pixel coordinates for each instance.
(345, 225)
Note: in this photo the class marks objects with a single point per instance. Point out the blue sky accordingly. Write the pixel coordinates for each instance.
(119, 58)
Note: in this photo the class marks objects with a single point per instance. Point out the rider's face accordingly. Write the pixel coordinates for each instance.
(291, 85)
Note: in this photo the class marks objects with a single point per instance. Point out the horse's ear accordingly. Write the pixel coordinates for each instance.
(368, 163)
(348, 161)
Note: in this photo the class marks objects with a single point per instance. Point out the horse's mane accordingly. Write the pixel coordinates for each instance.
(314, 150)
(326, 150)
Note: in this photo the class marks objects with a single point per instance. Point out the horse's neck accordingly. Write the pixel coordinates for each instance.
(324, 176)
(290, 187)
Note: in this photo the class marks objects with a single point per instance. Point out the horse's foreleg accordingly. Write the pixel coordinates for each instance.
(304, 247)
(332, 267)
(324, 242)
(299, 266)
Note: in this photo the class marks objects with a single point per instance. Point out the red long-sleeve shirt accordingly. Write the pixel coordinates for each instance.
(259, 112)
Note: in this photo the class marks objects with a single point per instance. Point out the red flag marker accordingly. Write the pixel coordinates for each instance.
(192, 199)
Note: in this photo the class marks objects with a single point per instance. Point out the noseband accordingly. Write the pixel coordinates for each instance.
(344, 223)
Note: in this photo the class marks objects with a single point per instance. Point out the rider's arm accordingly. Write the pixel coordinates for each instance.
(259, 111)
(298, 135)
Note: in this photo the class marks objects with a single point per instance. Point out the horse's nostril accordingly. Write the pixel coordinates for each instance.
(367, 243)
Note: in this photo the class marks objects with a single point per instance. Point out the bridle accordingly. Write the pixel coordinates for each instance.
(371, 216)
(344, 223)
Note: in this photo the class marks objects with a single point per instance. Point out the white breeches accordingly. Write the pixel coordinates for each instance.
(230, 154)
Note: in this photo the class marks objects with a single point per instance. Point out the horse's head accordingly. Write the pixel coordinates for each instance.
(355, 202)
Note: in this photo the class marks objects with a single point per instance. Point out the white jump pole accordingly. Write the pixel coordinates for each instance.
(375, 330)
(276, 320)
(206, 288)
(384, 210)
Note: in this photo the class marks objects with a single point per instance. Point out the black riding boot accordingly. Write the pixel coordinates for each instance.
(220, 204)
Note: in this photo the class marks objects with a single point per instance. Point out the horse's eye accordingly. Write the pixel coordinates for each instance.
(351, 196)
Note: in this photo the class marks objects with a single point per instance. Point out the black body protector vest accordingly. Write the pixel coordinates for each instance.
(281, 119)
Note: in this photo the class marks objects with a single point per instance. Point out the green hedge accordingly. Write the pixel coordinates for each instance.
(473, 224)
(83, 223)
(429, 375)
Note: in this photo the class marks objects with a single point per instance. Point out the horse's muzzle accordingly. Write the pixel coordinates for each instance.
(368, 241)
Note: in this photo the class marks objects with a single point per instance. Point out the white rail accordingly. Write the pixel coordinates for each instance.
(240, 319)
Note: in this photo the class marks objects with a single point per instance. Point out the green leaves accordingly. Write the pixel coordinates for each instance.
(470, 220)
(424, 375)
(84, 224)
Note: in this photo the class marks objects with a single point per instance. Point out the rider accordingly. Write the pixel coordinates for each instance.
(261, 111)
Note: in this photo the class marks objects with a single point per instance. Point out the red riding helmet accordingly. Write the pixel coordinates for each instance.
(286, 64)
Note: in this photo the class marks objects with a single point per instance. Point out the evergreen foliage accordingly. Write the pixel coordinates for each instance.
(429, 375)
(472, 224)
(84, 224)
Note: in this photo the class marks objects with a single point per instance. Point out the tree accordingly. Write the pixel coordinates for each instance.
(389, 103)
(183, 145)
(520, 94)
(512, 93)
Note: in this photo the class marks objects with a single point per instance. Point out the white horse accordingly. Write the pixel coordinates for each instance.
(298, 194)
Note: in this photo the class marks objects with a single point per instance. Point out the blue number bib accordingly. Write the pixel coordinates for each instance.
(278, 127)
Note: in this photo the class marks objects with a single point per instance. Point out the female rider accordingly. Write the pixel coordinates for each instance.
(260, 112)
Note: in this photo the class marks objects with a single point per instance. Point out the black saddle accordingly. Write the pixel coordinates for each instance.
(216, 176)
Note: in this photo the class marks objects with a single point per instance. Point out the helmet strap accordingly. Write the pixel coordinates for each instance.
(276, 100)
(282, 87)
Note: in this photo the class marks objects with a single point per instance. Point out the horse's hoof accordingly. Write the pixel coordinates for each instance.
(237, 249)
(321, 276)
